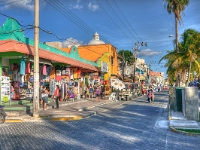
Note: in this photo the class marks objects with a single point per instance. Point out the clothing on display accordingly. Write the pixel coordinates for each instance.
(22, 66)
(28, 67)
(44, 70)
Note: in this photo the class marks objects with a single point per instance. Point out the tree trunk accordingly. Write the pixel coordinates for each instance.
(189, 70)
(176, 25)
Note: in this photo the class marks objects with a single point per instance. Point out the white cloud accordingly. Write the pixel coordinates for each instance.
(24, 4)
(70, 41)
(148, 52)
(77, 5)
(93, 7)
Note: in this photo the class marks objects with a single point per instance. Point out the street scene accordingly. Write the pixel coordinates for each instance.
(135, 124)
(99, 74)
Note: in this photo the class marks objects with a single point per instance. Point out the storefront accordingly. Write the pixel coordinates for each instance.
(56, 67)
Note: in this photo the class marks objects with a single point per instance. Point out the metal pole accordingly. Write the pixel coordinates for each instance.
(36, 61)
(123, 67)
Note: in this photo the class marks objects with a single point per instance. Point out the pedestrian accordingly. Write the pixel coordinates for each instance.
(86, 92)
(97, 92)
(91, 90)
(57, 96)
(158, 88)
(44, 97)
(103, 92)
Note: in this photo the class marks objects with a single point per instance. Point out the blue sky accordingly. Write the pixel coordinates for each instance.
(121, 23)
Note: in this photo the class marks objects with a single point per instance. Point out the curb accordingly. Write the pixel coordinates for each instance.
(173, 129)
(13, 120)
(69, 118)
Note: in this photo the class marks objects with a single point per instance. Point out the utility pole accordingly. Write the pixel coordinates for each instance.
(123, 63)
(136, 49)
(36, 61)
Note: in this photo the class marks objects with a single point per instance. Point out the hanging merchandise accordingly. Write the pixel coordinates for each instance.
(25, 85)
(71, 74)
(52, 86)
(75, 73)
(26, 78)
(58, 73)
(67, 71)
(79, 73)
(32, 69)
(21, 80)
(22, 66)
(28, 67)
(4, 89)
(52, 73)
(44, 70)
(63, 71)
(31, 78)
(15, 67)
(49, 69)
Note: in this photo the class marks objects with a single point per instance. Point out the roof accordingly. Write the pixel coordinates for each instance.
(15, 40)
(95, 40)
(154, 73)
(15, 46)
(89, 52)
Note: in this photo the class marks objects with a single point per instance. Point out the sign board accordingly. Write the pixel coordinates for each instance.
(104, 67)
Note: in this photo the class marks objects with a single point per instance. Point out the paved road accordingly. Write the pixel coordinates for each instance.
(129, 126)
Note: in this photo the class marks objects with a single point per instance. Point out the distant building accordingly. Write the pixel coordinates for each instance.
(96, 40)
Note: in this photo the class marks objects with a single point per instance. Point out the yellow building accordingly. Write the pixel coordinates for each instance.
(97, 51)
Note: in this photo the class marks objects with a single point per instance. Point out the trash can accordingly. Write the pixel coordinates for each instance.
(179, 99)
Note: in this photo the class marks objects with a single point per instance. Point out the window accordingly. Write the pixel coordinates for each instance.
(112, 61)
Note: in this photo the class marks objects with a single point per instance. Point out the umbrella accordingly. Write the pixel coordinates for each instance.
(118, 84)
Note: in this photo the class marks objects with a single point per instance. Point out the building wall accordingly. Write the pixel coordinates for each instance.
(0, 66)
(95, 52)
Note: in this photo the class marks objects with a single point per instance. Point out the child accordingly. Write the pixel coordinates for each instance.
(97, 92)
(44, 97)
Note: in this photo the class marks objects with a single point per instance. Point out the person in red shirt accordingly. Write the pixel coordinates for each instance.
(57, 96)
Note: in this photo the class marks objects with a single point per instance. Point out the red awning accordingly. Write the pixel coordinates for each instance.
(11, 45)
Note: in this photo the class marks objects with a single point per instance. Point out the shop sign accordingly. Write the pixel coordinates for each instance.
(128, 71)
(67, 71)
(104, 67)
(94, 74)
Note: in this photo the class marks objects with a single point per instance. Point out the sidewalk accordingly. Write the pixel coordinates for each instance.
(178, 121)
(68, 110)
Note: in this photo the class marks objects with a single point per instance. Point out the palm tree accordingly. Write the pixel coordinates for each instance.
(187, 59)
(176, 7)
(190, 47)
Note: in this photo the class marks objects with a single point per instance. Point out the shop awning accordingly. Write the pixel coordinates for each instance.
(15, 46)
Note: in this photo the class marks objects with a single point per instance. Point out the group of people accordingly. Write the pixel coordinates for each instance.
(89, 92)
(45, 95)
(94, 91)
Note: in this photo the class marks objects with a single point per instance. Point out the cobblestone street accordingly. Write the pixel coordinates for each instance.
(130, 126)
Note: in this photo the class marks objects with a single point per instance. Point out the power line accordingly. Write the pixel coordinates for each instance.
(120, 18)
(32, 27)
(71, 16)
(113, 20)
(62, 11)
(127, 19)
(16, 20)
(11, 2)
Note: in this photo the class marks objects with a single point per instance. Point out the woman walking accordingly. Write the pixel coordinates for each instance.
(57, 96)
(97, 92)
